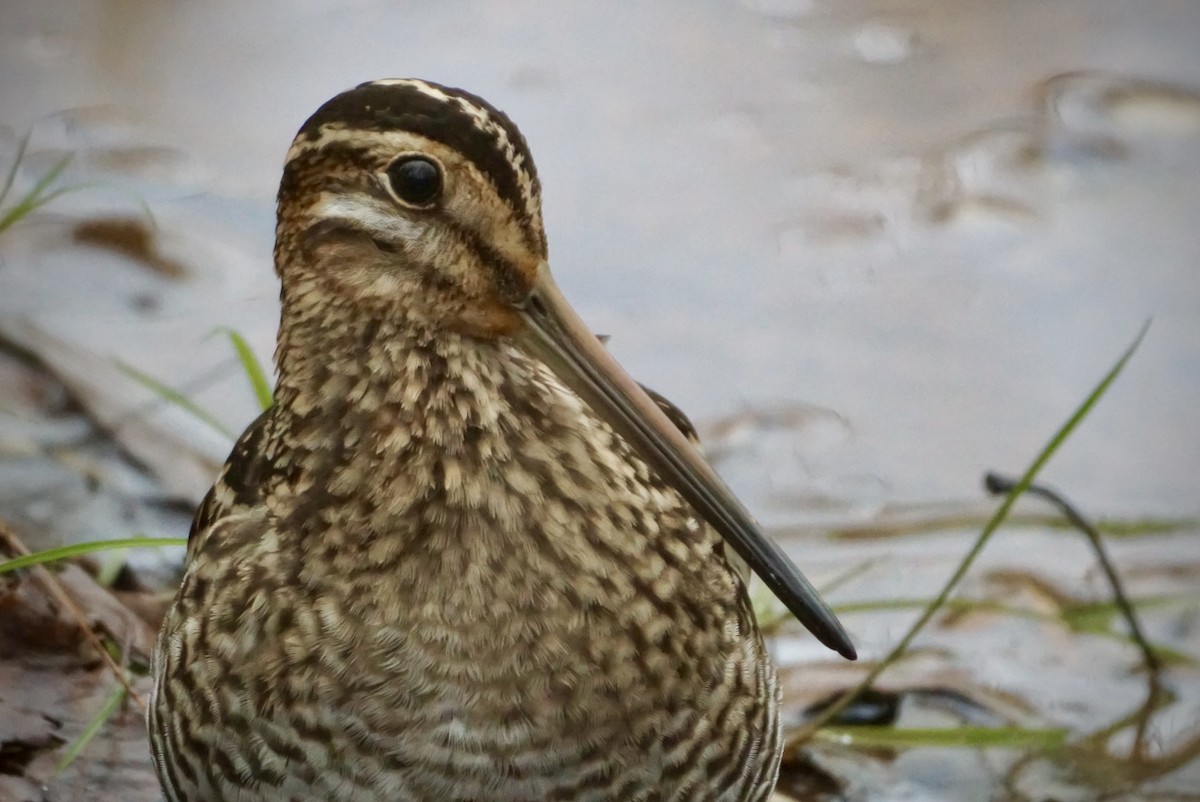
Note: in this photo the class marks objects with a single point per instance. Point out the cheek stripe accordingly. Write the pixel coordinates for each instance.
(378, 222)
(507, 278)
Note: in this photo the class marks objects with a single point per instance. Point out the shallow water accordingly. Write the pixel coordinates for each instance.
(874, 248)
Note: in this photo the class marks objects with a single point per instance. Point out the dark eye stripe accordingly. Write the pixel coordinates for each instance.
(508, 282)
(380, 107)
(507, 279)
(335, 167)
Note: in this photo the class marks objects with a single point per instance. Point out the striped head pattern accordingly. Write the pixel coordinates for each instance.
(406, 194)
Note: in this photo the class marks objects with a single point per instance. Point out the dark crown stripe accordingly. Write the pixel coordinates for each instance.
(388, 106)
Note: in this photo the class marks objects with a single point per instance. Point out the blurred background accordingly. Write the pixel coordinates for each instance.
(873, 248)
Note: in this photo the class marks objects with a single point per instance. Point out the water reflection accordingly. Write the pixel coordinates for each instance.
(873, 249)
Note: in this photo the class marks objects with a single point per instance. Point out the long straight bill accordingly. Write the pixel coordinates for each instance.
(556, 335)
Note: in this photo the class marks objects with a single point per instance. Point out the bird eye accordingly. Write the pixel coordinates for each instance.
(416, 180)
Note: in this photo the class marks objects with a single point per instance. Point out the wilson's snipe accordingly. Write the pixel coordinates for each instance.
(464, 556)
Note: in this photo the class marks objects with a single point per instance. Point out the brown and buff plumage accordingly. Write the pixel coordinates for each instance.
(431, 571)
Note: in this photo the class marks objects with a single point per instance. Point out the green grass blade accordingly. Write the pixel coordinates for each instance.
(1098, 616)
(1145, 526)
(29, 205)
(946, 737)
(16, 165)
(78, 549)
(1064, 618)
(175, 397)
(49, 177)
(992, 525)
(952, 605)
(110, 565)
(93, 727)
(34, 198)
(251, 366)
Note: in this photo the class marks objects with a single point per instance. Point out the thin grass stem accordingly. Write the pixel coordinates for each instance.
(968, 560)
